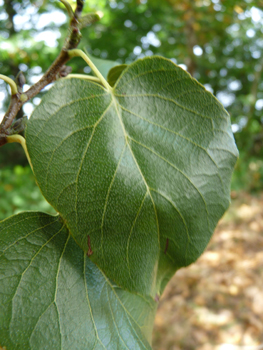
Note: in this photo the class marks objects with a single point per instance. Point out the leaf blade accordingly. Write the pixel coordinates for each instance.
(53, 296)
(155, 175)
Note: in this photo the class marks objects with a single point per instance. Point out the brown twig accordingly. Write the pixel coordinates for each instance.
(79, 8)
(55, 71)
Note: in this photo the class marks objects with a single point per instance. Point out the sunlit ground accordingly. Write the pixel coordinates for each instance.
(217, 303)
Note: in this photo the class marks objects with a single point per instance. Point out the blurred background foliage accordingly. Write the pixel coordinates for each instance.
(219, 42)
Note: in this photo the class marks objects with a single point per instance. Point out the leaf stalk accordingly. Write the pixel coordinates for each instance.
(68, 8)
(20, 139)
(80, 53)
(84, 77)
(11, 83)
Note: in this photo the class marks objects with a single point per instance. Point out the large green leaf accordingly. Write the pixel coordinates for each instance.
(140, 173)
(53, 297)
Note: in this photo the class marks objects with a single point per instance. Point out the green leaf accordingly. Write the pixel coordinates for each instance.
(115, 73)
(140, 173)
(53, 297)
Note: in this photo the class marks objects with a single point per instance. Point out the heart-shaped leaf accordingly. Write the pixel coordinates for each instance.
(139, 173)
(53, 297)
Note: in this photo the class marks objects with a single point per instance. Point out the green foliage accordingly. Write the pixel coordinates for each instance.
(18, 192)
(248, 174)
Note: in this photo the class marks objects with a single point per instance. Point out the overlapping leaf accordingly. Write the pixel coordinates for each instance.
(53, 297)
(140, 174)
(114, 73)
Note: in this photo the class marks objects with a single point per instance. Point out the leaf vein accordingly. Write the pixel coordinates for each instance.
(113, 318)
(175, 167)
(107, 196)
(56, 290)
(129, 237)
(58, 146)
(38, 319)
(177, 104)
(180, 135)
(178, 211)
(152, 72)
(84, 155)
(89, 305)
(120, 302)
(135, 160)
(27, 235)
(61, 108)
(23, 273)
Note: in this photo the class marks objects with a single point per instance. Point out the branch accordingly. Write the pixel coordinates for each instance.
(55, 71)
(18, 99)
(79, 8)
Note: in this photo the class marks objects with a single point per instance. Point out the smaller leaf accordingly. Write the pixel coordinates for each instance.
(52, 296)
(89, 19)
(114, 73)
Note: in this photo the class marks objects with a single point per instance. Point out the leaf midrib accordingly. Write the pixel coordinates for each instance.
(139, 169)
